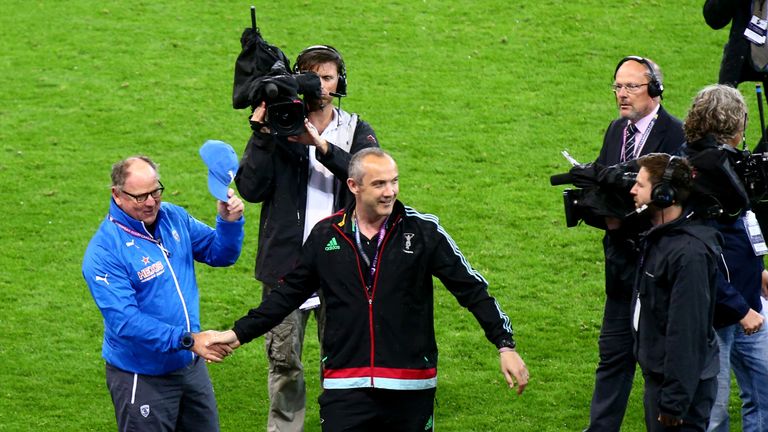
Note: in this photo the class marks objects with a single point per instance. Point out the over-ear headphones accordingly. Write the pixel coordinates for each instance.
(664, 193)
(655, 87)
(341, 87)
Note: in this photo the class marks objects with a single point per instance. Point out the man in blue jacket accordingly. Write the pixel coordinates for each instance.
(139, 267)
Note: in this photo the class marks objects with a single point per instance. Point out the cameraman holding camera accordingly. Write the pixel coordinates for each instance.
(644, 127)
(714, 128)
(299, 180)
(674, 299)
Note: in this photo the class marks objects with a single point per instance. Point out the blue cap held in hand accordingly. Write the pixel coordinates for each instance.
(222, 163)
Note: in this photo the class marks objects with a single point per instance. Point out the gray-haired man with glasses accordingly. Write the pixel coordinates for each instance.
(643, 127)
(139, 267)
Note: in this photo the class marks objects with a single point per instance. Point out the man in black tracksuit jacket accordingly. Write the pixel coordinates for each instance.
(674, 301)
(373, 263)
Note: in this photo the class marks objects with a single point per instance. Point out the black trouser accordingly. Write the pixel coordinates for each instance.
(182, 400)
(377, 410)
(616, 370)
(697, 417)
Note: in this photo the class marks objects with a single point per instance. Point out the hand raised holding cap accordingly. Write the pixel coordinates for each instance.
(231, 210)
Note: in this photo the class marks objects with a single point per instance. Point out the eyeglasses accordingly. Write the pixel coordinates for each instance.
(630, 88)
(157, 193)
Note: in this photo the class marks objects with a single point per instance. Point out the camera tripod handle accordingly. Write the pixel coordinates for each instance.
(253, 17)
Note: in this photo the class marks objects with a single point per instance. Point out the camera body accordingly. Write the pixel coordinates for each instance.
(280, 91)
(725, 180)
(603, 192)
(752, 169)
(285, 112)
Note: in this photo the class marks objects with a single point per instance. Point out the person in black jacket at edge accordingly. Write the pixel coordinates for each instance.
(674, 300)
(745, 57)
(299, 180)
(373, 263)
(737, 64)
(714, 128)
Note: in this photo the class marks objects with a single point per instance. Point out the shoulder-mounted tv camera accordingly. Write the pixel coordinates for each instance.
(262, 74)
(725, 181)
(280, 91)
(752, 169)
(602, 192)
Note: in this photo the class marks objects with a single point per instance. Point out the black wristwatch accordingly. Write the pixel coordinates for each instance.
(187, 341)
(506, 343)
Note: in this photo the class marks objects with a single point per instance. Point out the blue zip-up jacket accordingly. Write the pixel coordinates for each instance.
(145, 284)
(741, 285)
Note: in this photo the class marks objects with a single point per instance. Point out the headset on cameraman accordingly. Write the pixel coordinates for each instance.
(665, 193)
(341, 87)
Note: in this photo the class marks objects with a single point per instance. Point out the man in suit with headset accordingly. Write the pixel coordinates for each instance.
(644, 127)
(299, 180)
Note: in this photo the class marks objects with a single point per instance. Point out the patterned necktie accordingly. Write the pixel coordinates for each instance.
(629, 143)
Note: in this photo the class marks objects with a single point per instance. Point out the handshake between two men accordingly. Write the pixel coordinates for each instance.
(214, 345)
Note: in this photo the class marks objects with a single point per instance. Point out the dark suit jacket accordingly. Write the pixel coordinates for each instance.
(736, 66)
(666, 136)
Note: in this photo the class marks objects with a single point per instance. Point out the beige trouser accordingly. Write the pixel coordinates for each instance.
(287, 391)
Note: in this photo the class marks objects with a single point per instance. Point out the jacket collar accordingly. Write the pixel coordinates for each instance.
(659, 230)
(710, 142)
(706, 142)
(688, 224)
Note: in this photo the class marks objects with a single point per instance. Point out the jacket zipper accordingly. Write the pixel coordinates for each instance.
(175, 280)
(369, 295)
(370, 330)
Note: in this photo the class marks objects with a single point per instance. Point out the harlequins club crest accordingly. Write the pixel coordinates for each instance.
(407, 242)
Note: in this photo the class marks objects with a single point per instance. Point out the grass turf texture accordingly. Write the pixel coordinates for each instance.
(474, 100)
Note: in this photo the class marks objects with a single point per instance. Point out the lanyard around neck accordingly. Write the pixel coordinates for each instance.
(140, 235)
(368, 262)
